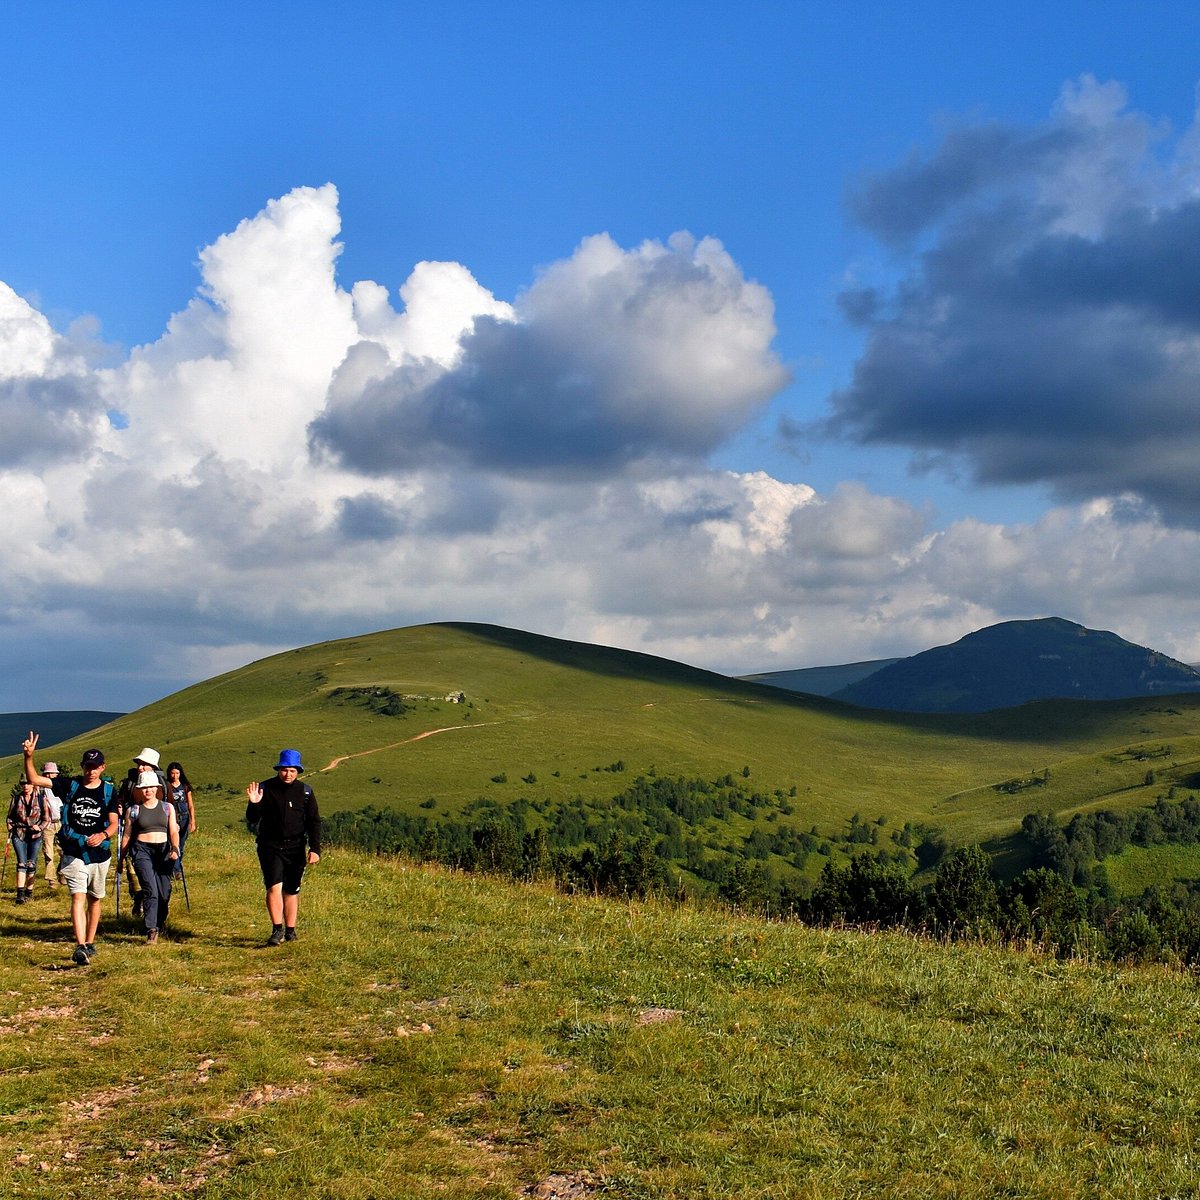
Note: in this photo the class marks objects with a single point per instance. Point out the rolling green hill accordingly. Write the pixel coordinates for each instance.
(549, 721)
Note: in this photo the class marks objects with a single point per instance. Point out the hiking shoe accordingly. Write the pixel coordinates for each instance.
(91, 950)
(80, 957)
(276, 937)
(289, 935)
(138, 905)
(20, 895)
(151, 936)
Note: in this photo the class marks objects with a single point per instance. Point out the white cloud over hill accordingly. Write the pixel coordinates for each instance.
(294, 460)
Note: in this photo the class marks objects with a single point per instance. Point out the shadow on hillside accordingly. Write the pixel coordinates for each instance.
(1038, 721)
(1010, 856)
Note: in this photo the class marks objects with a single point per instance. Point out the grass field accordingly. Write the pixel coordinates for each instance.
(436, 1034)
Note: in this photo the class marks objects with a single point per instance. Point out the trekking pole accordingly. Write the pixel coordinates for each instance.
(183, 880)
(4, 871)
(120, 864)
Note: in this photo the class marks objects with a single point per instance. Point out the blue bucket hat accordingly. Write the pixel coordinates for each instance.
(289, 758)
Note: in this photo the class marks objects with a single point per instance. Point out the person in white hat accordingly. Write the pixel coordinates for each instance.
(152, 828)
(145, 760)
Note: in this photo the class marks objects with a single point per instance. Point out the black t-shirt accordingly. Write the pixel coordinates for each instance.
(85, 813)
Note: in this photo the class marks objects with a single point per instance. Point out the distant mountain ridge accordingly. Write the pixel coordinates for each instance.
(1015, 662)
(52, 727)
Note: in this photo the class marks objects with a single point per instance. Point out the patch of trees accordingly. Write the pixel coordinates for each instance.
(382, 701)
(1040, 907)
(679, 826)
(1072, 850)
(502, 845)
(637, 842)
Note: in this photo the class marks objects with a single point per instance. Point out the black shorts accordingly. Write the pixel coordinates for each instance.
(282, 865)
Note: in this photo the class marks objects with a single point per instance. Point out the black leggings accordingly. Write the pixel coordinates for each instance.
(154, 870)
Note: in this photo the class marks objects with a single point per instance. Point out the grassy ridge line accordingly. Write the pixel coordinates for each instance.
(560, 709)
(438, 1034)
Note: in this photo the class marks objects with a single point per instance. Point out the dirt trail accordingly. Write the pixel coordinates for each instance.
(337, 762)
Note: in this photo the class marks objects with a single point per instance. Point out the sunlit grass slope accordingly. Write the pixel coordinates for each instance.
(436, 1034)
(557, 711)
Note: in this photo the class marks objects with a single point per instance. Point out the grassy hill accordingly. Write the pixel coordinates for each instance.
(547, 721)
(437, 1034)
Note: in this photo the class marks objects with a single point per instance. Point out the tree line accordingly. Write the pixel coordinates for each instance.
(636, 844)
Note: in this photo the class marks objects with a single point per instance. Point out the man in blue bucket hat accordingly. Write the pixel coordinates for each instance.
(283, 813)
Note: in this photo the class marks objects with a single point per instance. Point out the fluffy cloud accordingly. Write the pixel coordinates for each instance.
(1046, 325)
(49, 404)
(611, 356)
(195, 530)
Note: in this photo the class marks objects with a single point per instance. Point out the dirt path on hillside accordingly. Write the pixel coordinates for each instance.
(337, 762)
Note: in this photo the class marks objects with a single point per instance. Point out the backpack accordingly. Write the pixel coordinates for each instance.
(65, 838)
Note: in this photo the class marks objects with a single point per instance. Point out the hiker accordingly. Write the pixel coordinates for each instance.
(124, 803)
(53, 824)
(146, 760)
(154, 831)
(179, 790)
(283, 813)
(26, 821)
(89, 821)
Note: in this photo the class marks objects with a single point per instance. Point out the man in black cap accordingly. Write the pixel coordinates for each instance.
(283, 813)
(89, 822)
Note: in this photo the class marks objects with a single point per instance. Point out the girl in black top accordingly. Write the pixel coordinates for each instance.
(154, 831)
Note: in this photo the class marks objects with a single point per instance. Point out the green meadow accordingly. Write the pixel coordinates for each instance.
(433, 1033)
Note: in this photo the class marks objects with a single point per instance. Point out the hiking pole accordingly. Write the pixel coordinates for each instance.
(4, 871)
(120, 864)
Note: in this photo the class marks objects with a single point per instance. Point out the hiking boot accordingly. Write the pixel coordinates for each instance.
(80, 957)
(91, 950)
(276, 936)
(151, 936)
(21, 895)
(139, 904)
(290, 935)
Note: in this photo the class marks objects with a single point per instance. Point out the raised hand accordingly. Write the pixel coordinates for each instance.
(254, 791)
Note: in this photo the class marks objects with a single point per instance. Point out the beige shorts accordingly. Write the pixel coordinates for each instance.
(85, 877)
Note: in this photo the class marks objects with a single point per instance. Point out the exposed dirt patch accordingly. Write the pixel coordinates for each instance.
(98, 1104)
(572, 1185)
(656, 1016)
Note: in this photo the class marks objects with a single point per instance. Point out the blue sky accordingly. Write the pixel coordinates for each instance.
(898, 448)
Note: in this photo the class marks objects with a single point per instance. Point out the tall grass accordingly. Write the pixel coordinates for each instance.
(438, 1034)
